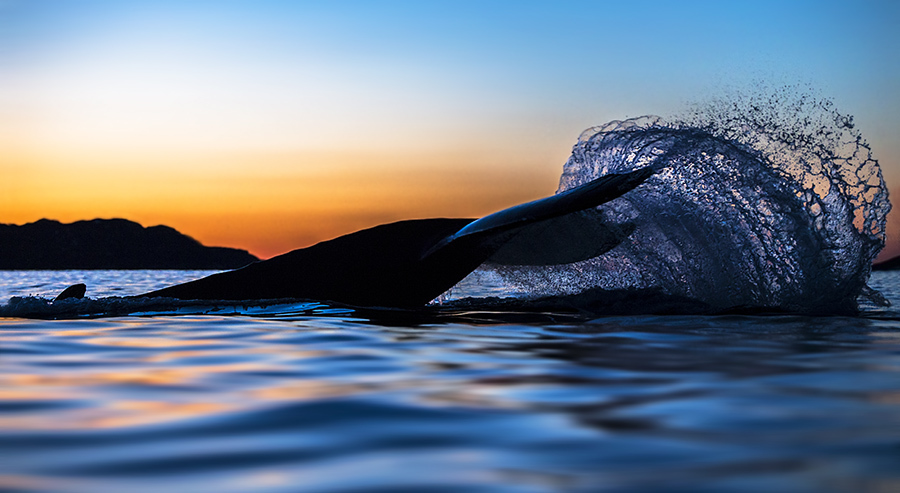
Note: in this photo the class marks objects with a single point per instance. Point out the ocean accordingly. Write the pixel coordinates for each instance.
(310, 397)
(772, 205)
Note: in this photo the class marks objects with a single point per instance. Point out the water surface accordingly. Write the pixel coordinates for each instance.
(323, 399)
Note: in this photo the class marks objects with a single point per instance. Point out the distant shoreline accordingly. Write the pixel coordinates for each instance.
(109, 244)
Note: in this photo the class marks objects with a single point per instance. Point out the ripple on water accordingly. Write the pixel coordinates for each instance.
(338, 403)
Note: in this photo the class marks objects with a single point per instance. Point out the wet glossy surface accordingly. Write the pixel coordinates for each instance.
(322, 401)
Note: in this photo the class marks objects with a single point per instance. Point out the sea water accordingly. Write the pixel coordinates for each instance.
(772, 205)
(317, 399)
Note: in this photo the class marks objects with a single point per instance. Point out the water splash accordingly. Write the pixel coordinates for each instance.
(758, 201)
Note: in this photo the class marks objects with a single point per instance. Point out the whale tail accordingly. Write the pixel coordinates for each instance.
(589, 195)
(402, 264)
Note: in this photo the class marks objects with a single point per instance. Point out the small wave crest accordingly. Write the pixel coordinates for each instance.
(769, 202)
(114, 306)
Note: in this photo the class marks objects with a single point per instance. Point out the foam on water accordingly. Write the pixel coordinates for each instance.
(767, 202)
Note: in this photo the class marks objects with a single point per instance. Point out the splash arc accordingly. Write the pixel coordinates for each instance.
(748, 211)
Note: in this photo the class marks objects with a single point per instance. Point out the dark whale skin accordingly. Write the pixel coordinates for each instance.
(380, 266)
(402, 264)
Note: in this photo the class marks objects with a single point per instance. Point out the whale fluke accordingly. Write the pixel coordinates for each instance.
(74, 291)
(402, 264)
(566, 239)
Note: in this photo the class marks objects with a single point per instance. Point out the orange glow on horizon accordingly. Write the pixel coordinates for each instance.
(273, 202)
(270, 126)
(268, 203)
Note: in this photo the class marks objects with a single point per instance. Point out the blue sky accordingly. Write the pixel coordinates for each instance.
(398, 92)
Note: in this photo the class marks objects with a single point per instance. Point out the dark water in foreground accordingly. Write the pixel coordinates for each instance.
(329, 400)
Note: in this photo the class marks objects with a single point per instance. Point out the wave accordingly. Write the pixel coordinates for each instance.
(114, 306)
(759, 204)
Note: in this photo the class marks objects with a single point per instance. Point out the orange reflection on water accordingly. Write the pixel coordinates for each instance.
(266, 479)
(174, 356)
(117, 415)
(7, 393)
(93, 400)
(85, 332)
(309, 389)
(136, 376)
(148, 342)
(21, 482)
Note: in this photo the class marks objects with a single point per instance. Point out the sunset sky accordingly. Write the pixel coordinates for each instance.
(271, 125)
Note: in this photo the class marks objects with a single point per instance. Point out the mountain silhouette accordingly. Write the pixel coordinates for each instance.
(109, 244)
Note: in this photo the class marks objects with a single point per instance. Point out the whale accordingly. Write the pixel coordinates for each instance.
(410, 263)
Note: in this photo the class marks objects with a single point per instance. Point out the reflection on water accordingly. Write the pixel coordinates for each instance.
(469, 402)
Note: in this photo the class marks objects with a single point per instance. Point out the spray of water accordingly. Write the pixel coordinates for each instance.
(768, 201)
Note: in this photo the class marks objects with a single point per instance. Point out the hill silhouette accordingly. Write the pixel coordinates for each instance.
(109, 244)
